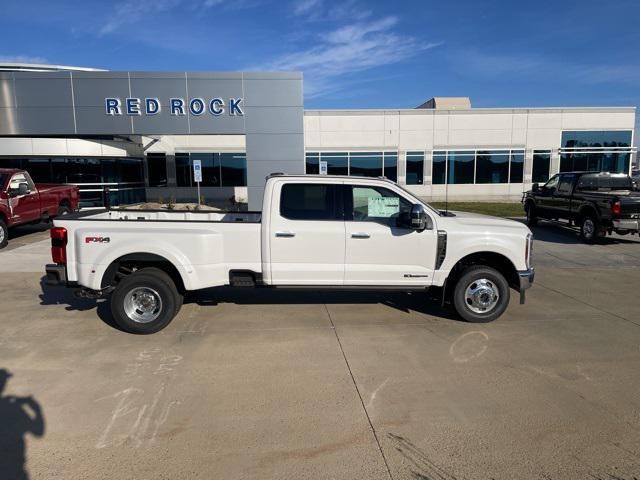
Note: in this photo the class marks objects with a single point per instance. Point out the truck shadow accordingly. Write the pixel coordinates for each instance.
(422, 302)
(64, 296)
(426, 302)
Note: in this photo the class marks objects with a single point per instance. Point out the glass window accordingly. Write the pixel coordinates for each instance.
(183, 170)
(130, 170)
(596, 139)
(13, 163)
(3, 178)
(300, 201)
(541, 166)
(337, 163)
(17, 179)
(377, 204)
(415, 168)
(566, 181)
(312, 163)
(366, 164)
(234, 169)
(461, 166)
(492, 166)
(210, 168)
(391, 166)
(553, 183)
(439, 170)
(157, 168)
(516, 172)
(40, 169)
(604, 182)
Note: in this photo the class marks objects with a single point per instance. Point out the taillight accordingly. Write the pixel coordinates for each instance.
(59, 245)
(616, 209)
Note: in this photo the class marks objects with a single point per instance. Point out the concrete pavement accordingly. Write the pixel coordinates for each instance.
(277, 384)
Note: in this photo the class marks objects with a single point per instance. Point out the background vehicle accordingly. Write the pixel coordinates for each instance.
(598, 203)
(313, 232)
(22, 201)
(635, 178)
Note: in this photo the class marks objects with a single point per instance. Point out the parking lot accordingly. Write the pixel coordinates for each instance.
(290, 384)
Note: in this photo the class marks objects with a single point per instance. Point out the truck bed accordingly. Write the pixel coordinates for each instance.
(174, 216)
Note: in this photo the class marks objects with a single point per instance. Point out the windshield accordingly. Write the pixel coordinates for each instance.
(417, 200)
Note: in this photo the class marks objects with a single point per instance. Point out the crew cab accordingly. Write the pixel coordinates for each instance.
(599, 203)
(22, 201)
(314, 231)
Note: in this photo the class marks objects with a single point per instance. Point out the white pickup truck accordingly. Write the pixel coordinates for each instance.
(314, 231)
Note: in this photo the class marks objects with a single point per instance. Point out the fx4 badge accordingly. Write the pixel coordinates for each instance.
(97, 240)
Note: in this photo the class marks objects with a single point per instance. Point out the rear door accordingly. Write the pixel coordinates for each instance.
(24, 208)
(306, 234)
(378, 251)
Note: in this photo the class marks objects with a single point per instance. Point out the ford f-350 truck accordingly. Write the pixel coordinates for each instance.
(22, 201)
(314, 231)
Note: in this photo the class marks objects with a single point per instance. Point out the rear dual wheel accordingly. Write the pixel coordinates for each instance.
(145, 301)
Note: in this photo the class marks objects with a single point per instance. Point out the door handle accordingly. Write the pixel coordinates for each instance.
(360, 235)
(285, 234)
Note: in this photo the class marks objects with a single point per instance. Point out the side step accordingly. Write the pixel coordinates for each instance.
(242, 278)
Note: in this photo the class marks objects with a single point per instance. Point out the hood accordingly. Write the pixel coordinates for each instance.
(475, 221)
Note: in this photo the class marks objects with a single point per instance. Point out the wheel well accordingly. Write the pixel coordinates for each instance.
(65, 203)
(490, 259)
(128, 264)
(586, 210)
(3, 218)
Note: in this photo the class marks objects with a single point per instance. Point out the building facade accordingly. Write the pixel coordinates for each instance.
(139, 135)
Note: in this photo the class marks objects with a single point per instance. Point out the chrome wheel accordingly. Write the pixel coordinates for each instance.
(588, 228)
(481, 295)
(1, 234)
(143, 304)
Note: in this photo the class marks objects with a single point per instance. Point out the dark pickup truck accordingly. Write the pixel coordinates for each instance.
(22, 201)
(599, 203)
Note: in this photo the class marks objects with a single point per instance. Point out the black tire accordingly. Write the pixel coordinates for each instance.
(64, 210)
(590, 229)
(160, 297)
(4, 234)
(532, 216)
(488, 281)
(179, 298)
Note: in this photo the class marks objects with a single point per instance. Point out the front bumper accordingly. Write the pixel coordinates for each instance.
(56, 274)
(526, 278)
(627, 224)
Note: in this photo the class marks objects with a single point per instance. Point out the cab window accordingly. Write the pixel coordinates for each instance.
(309, 201)
(566, 182)
(376, 204)
(552, 184)
(19, 178)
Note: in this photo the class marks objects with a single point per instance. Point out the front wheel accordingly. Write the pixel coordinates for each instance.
(145, 302)
(481, 294)
(532, 216)
(4, 234)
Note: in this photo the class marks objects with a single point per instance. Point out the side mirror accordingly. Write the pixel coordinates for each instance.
(23, 189)
(418, 218)
(535, 187)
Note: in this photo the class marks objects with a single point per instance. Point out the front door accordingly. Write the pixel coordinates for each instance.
(306, 234)
(378, 251)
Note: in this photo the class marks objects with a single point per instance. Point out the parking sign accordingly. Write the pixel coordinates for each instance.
(197, 171)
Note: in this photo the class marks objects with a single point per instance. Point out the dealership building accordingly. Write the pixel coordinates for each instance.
(138, 134)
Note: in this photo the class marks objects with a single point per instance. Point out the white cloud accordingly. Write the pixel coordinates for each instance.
(306, 7)
(22, 59)
(540, 67)
(350, 49)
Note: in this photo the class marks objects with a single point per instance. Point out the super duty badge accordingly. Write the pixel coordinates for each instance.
(97, 240)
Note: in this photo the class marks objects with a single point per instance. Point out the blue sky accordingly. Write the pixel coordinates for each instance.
(355, 53)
